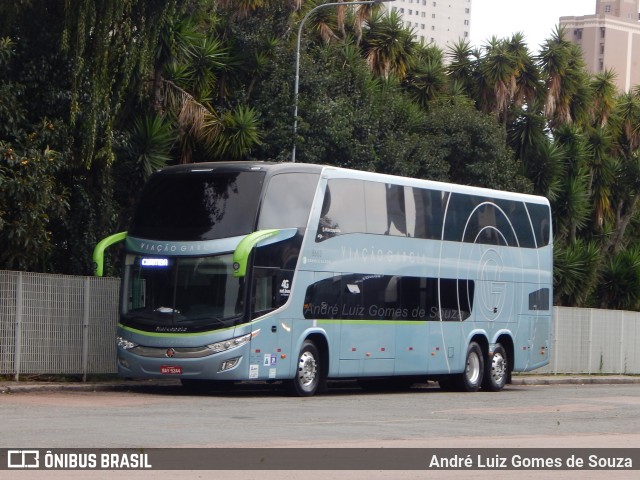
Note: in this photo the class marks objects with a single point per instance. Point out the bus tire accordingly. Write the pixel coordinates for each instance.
(308, 375)
(470, 380)
(496, 371)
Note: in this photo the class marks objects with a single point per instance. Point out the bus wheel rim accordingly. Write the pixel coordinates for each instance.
(498, 368)
(307, 369)
(473, 368)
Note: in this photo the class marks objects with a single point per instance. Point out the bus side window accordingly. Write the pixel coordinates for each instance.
(343, 209)
(385, 209)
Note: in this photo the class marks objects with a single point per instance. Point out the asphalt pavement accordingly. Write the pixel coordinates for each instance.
(30, 385)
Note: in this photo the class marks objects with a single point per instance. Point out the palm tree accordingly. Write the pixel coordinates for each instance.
(363, 14)
(388, 46)
(242, 8)
(603, 168)
(427, 78)
(619, 286)
(572, 206)
(526, 76)
(604, 96)
(565, 77)
(543, 160)
(496, 68)
(239, 134)
(149, 145)
(463, 66)
(575, 272)
(627, 121)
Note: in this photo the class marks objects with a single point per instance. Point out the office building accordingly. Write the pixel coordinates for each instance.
(436, 21)
(609, 39)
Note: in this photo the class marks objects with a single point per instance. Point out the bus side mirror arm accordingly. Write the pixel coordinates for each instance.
(257, 239)
(98, 252)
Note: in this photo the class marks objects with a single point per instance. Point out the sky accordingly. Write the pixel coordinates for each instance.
(536, 19)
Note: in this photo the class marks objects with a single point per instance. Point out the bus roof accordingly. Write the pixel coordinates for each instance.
(330, 171)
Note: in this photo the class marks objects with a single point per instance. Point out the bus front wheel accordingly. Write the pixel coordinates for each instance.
(306, 381)
(470, 379)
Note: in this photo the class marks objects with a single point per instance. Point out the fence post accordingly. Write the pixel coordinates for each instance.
(17, 347)
(590, 357)
(623, 320)
(85, 328)
(555, 351)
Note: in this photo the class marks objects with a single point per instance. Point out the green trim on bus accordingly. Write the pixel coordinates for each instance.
(172, 334)
(98, 252)
(241, 254)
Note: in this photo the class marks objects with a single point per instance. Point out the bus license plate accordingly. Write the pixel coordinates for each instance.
(170, 369)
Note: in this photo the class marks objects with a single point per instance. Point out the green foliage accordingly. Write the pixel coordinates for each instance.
(95, 96)
(149, 145)
(619, 286)
(473, 146)
(30, 196)
(239, 134)
(575, 271)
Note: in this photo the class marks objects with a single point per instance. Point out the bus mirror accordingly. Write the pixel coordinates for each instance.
(98, 252)
(257, 239)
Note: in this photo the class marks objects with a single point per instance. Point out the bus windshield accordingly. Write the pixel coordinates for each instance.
(179, 294)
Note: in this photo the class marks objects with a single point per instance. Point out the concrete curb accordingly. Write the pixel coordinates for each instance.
(7, 387)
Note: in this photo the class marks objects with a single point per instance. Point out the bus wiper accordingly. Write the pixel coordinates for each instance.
(217, 320)
(166, 310)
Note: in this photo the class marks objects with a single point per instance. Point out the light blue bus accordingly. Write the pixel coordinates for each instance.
(297, 273)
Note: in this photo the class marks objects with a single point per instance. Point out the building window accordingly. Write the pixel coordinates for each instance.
(466, 22)
(424, 14)
(578, 33)
(602, 49)
(601, 65)
(433, 15)
(466, 10)
(602, 32)
(607, 9)
(422, 26)
(466, 34)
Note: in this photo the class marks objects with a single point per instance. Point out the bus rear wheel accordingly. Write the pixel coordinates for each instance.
(306, 381)
(497, 370)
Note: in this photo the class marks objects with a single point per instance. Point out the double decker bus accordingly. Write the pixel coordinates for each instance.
(298, 273)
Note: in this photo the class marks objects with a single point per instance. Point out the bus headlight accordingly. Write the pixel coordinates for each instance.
(125, 344)
(232, 343)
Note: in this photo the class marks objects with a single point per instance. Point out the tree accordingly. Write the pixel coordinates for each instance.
(474, 147)
(388, 46)
(566, 79)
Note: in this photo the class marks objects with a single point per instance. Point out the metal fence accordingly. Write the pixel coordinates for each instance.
(57, 324)
(592, 341)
